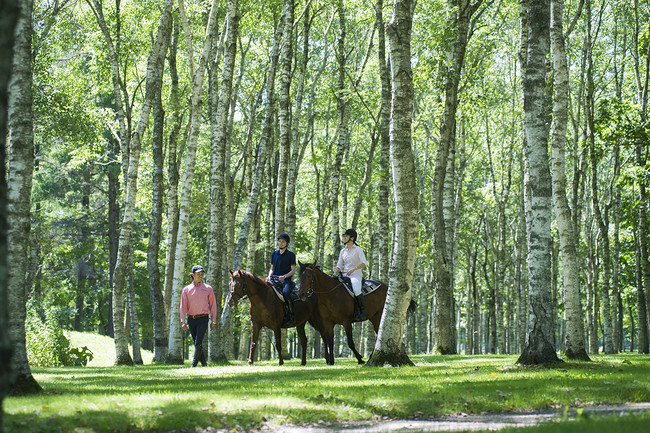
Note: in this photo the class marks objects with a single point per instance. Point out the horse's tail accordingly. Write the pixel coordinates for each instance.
(412, 306)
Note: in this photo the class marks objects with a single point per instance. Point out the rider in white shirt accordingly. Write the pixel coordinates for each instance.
(351, 262)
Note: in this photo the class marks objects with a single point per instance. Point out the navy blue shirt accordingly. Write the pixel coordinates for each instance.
(282, 262)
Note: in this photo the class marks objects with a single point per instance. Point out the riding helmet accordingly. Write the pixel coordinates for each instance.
(285, 237)
(352, 233)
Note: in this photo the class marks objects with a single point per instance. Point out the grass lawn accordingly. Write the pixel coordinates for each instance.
(237, 397)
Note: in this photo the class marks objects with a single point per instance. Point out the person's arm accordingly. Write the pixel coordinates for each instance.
(361, 258)
(339, 264)
(183, 310)
(212, 302)
(268, 277)
(288, 274)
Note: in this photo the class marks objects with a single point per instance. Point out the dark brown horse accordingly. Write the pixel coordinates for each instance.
(267, 309)
(337, 306)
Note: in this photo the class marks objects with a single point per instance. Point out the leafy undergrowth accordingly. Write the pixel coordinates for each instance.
(238, 397)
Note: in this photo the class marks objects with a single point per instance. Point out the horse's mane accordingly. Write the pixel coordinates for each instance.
(252, 276)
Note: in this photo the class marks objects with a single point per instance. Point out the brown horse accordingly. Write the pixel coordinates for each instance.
(337, 306)
(267, 309)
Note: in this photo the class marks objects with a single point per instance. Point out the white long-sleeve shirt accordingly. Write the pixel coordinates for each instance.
(350, 258)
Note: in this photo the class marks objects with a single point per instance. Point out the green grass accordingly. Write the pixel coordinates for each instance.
(165, 398)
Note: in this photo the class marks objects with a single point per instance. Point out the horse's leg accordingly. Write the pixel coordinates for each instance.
(302, 336)
(348, 333)
(330, 345)
(255, 333)
(278, 343)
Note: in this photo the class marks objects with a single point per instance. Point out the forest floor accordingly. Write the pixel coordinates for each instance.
(461, 422)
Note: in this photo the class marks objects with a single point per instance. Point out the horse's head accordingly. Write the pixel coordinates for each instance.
(237, 287)
(306, 277)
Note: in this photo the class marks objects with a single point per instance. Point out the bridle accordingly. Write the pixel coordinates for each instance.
(232, 290)
(311, 288)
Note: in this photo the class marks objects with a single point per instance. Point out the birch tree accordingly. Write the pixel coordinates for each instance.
(284, 117)
(19, 192)
(174, 351)
(460, 13)
(131, 188)
(389, 348)
(9, 12)
(218, 164)
(540, 347)
(384, 230)
(262, 153)
(574, 341)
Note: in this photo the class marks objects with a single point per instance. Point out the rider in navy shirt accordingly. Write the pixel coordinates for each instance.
(283, 266)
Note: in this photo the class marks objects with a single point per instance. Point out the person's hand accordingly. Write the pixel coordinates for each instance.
(213, 325)
(184, 327)
(281, 277)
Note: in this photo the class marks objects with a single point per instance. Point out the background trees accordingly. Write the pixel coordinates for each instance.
(309, 96)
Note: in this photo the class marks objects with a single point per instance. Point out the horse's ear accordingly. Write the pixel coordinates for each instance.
(231, 272)
(315, 261)
(299, 263)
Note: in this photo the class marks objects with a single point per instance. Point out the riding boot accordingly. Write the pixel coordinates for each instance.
(360, 313)
(291, 318)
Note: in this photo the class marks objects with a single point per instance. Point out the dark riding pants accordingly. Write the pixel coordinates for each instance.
(198, 328)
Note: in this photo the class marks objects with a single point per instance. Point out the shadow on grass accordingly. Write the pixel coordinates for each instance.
(165, 398)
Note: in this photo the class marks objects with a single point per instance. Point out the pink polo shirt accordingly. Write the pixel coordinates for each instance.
(198, 299)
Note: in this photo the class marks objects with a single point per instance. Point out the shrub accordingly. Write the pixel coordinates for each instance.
(46, 344)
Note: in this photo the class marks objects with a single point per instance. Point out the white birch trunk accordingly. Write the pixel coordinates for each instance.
(174, 352)
(19, 192)
(122, 355)
(389, 348)
(384, 233)
(284, 117)
(262, 153)
(218, 170)
(9, 11)
(575, 340)
(540, 347)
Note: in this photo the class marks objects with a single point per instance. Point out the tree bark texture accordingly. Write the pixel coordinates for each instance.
(19, 192)
(262, 154)
(218, 169)
(575, 340)
(384, 232)
(155, 61)
(174, 351)
(389, 348)
(459, 19)
(540, 347)
(9, 12)
(155, 228)
(284, 117)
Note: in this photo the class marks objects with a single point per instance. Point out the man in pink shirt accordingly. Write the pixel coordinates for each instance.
(198, 304)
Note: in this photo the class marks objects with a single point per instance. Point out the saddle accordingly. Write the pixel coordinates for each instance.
(276, 285)
(367, 286)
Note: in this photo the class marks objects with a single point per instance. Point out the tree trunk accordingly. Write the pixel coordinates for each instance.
(540, 346)
(262, 153)
(9, 12)
(575, 341)
(459, 18)
(389, 348)
(173, 162)
(174, 351)
(218, 169)
(153, 270)
(284, 116)
(384, 230)
(19, 191)
(341, 139)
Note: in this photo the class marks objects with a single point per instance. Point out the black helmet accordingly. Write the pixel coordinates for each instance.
(285, 237)
(352, 233)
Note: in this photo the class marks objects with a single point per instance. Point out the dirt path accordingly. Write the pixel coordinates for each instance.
(456, 423)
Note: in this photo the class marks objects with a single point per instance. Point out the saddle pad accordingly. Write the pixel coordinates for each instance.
(367, 286)
(278, 291)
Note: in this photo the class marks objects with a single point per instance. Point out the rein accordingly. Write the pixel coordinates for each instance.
(324, 292)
